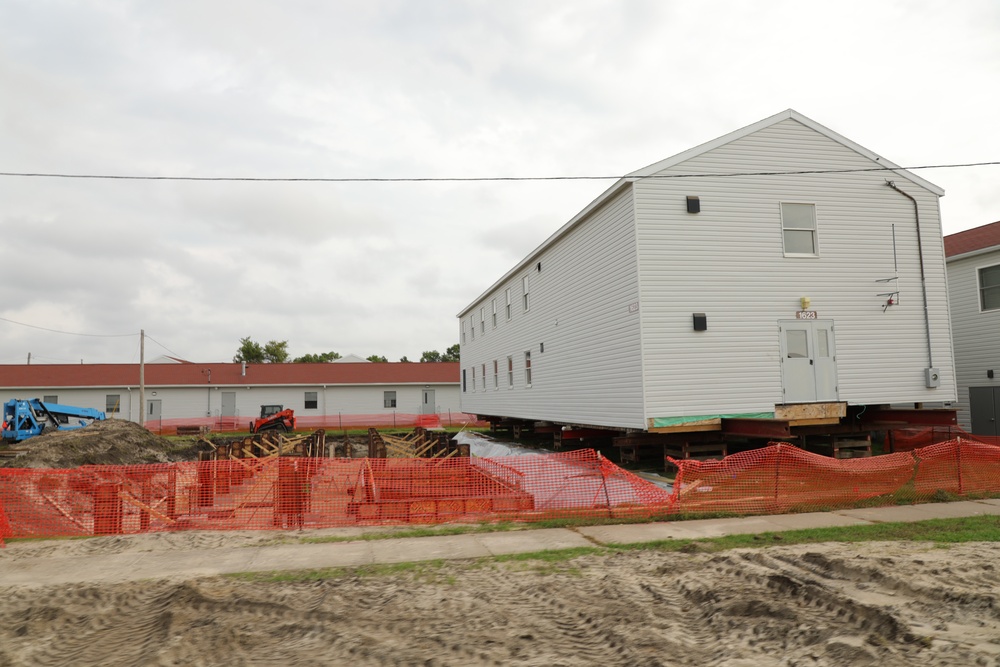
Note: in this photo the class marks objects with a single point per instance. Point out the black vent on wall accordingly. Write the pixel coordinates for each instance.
(694, 204)
(700, 321)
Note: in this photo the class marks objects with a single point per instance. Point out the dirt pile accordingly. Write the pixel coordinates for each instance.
(109, 442)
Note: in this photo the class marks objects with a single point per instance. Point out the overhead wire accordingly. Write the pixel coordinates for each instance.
(453, 179)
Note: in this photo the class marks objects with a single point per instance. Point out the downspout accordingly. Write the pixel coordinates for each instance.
(923, 278)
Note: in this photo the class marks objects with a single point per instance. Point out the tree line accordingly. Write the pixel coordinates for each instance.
(276, 352)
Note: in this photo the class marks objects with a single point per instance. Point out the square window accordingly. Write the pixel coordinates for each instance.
(50, 399)
(389, 399)
(311, 400)
(989, 287)
(798, 226)
(112, 404)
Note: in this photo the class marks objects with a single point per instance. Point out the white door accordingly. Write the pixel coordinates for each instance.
(154, 410)
(428, 406)
(229, 404)
(808, 361)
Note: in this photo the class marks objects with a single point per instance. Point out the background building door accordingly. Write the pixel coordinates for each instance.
(808, 361)
(984, 405)
(154, 410)
(229, 404)
(427, 404)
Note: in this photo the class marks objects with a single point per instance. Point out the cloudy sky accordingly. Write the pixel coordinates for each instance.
(409, 89)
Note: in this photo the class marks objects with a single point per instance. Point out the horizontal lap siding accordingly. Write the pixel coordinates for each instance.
(590, 371)
(727, 262)
(976, 334)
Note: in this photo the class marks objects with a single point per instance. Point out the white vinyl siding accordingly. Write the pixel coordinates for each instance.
(727, 262)
(580, 313)
(977, 345)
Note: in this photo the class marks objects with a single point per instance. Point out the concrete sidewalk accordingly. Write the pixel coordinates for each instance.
(134, 566)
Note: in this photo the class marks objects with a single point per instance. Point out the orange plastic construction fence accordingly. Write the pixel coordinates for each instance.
(293, 492)
(335, 422)
(783, 478)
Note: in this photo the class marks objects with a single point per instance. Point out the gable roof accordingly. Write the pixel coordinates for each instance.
(227, 374)
(627, 180)
(972, 240)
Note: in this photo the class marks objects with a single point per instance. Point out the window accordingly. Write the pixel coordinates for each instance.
(482, 320)
(472, 326)
(798, 344)
(50, 399)
(473, 378)
(496, 375)
(112, 403)
(507, 293)
(494, 313)
(510, 372)
(463, 332)
(524, 292)
(989, 287)
(798, 226)
(484, 377)
(312, 400)
(527, 369)
(463, 381)
(388, 399)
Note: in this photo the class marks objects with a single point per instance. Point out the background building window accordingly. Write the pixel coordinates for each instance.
(496, 374)
(510, 372)
(482, 320)
(507, 294)
(494, 313)
(798, 226)
(50, 399)
(524, 290)
(484, 377)
(312, 400)
(527, 369)
(989, 287)
(389, 399)
(112, 403)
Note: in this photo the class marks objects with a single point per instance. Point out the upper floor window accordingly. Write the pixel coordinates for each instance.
(494, 313)
(482, 320)
(524, 291)
(989, 287)
(463, 332)
(798, 228)
(472, 326)
(507, 294)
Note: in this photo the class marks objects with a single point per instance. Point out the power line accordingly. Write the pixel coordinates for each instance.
(162, 345)
(68, 333)
(453, 179)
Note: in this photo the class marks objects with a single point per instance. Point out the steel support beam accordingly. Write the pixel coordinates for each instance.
(902, 418)
(757, 428)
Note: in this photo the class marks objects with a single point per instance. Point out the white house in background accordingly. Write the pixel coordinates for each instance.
(974, 294)
(186, 390)
(775, 277)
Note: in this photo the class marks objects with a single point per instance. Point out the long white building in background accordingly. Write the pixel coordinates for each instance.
(781, 273)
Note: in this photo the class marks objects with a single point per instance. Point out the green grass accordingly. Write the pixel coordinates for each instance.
(941, 532)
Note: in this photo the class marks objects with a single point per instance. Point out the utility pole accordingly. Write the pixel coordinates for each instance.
(29, 358)
(142, 377)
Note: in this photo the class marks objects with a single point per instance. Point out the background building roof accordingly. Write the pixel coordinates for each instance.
(226, 374)
(977, 238)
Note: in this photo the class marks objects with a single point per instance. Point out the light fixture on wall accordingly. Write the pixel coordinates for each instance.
(804, 302)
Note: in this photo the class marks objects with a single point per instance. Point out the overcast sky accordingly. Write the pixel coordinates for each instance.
(398, 89)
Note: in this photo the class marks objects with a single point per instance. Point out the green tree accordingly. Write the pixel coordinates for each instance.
(404, 360)
(324, 358)
(430, 356)
(452, 353)
(276, 352)
(249, 351)
(377, 359)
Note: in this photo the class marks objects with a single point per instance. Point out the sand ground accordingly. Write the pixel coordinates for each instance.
(870, 603)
